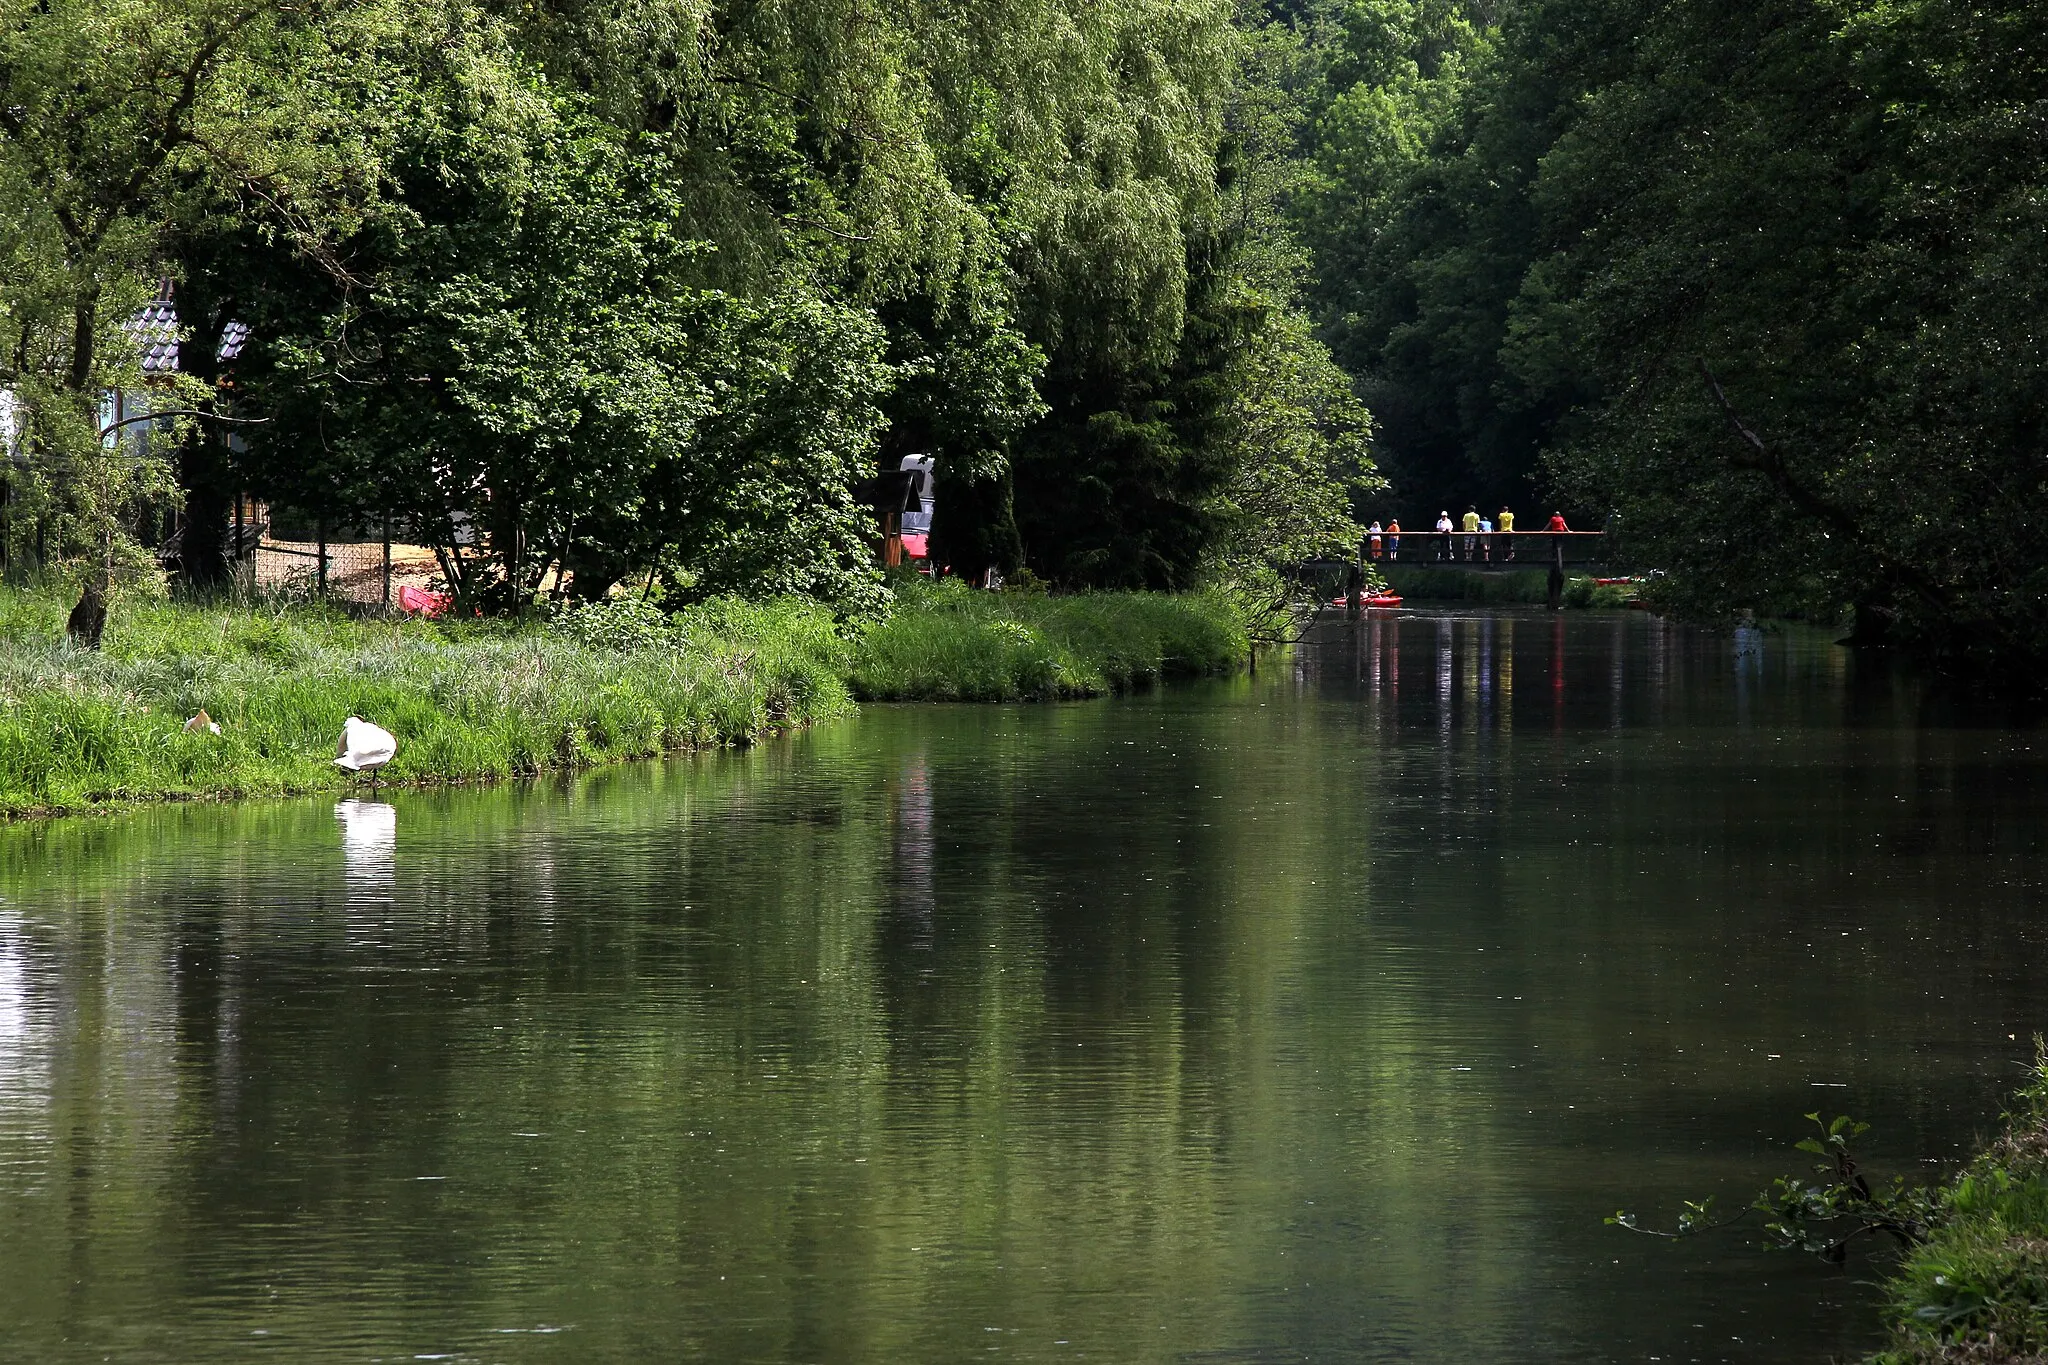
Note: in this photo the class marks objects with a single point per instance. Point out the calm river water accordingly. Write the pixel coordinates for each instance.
(1314, 1016)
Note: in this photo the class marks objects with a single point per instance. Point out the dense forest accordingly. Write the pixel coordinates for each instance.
(1758, 287)
(654, 285)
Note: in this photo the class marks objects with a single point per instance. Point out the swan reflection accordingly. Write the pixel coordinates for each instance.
(369, 849)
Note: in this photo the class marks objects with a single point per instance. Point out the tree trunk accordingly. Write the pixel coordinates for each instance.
(88, 620)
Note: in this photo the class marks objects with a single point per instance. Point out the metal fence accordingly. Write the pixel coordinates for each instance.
(368, 573)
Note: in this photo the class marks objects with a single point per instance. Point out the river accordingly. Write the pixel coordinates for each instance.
(1314, 1016)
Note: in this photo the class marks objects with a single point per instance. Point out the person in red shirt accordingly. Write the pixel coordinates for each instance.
(1556, 524)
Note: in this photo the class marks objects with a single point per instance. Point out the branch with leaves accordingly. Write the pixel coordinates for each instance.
(1821, 1217)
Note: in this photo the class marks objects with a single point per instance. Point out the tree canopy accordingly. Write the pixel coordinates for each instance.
(658, 285)
(1755, 285)
(655, 286)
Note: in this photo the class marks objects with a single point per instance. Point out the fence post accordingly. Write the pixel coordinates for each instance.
(387, 561)
(321, 549)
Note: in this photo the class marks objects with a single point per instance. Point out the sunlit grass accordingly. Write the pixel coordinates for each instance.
(948, 643)
(470, 702)
(479, 700)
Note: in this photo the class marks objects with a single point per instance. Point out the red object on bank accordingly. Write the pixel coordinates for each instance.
(422, 602)
(916, 546)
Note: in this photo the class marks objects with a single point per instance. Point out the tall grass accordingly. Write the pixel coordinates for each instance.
(477, 700)
(1977, 1290)
(469, 702)
(946, 642)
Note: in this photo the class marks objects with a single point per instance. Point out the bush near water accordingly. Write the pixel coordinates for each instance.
(1977, 1290)
(479, 700)
(954, 644)
(1530, 587)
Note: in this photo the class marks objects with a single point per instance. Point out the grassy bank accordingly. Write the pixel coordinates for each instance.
(951, 644)
(1433, 583)
(473, 701)
(1977, 1291)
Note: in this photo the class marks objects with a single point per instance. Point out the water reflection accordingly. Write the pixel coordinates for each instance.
(24, 1027)
(369, 849)
(1316, 1017)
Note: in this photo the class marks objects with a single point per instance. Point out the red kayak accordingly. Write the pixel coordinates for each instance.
(1385, 599)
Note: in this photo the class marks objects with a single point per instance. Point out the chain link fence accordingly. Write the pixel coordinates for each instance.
(366, 572)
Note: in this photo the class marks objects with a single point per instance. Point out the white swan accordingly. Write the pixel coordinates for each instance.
(364, 747)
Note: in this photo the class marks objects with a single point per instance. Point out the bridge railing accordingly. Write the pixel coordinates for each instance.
(1489, 549)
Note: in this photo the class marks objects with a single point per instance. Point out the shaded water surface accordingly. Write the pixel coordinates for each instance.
(1317, 1016)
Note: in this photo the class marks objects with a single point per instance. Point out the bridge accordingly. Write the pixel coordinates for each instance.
(1495, 551)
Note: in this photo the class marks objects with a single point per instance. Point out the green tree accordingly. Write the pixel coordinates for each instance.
(128, 126)
(1794, 247)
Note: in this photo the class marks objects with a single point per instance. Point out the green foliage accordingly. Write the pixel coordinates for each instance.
(469, 701)
(1429, 583)
(127, 124)
(1433, 122)
(1810, 1216)
(1822, 1217)
(479, 699)
(1973, 1282)
(575, 292)
(1751, 282)
(1423, 583)
(1978, 1288)
(1872, 328)
(623, 623)
(949, 643)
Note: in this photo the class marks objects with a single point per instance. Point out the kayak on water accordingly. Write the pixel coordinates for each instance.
(1385, 599)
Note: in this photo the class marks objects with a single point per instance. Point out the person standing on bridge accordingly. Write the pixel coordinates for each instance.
(1443, 544)
(1393, 537)
(1471, 523)
(1373, 532)
(1506, 522)
(1556, 526)
(1486, 539)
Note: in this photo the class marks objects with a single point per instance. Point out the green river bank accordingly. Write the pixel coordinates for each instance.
(1977, 1290)
(480, 700)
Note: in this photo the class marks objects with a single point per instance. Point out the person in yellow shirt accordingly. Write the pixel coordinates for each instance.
(1470, 523)
(1506, 522)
